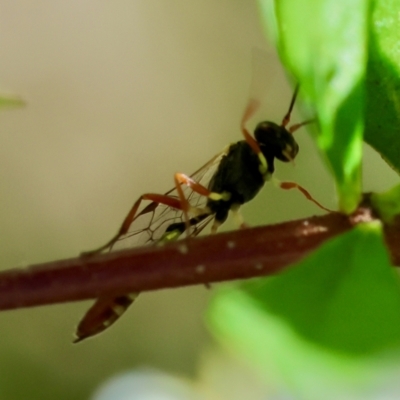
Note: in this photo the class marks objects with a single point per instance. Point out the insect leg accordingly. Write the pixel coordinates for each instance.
(235, 209)
(305, 192)
(156, 198)
(198, 188)
(249, 111)
(294, 127)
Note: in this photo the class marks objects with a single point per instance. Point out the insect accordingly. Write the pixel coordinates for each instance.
(227, 181)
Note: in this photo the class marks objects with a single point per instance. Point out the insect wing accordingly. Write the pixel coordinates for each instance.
(152, 221)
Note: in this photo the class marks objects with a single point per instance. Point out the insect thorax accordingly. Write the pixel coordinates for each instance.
(237, 174)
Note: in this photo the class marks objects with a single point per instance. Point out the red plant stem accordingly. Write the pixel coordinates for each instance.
(234, 255)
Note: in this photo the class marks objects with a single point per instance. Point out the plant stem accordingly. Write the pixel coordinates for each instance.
(245, 253)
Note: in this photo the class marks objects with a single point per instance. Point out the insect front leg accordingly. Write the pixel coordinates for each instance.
(303, 191)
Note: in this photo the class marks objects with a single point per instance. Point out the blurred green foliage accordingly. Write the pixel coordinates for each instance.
(11, 101)
(333, 321)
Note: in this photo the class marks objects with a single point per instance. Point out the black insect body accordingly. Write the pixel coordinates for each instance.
(239, 176)
(229, 180)
(239, 171)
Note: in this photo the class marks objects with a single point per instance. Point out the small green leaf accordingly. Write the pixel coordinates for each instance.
(383, 82)
(11, 101)
(323, 43)
(327, 320)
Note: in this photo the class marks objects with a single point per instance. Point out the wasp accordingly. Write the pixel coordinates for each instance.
(230, 179)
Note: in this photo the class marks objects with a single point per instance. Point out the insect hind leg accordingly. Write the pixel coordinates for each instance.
(180, 203)
(133, 214)
(200, 189)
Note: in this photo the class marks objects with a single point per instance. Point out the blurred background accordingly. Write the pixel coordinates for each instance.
(120, 95)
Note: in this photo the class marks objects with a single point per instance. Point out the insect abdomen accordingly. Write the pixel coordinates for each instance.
(103, 313)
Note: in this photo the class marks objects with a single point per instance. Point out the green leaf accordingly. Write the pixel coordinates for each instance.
(329, 320)
(383, 82)
(323, 44)
(11, 101)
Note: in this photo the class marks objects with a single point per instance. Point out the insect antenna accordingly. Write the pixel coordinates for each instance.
(294, 127)
(286, 118)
